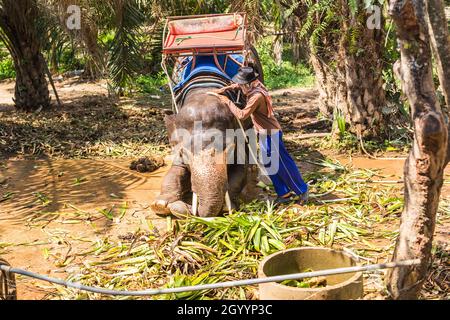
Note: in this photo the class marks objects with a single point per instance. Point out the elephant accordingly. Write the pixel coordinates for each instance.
(205, 172)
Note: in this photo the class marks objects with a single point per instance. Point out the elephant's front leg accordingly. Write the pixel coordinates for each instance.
(176, 184)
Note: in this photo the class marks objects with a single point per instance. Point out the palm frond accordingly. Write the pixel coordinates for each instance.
(124, 61)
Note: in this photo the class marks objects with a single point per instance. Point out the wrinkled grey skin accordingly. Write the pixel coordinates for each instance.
(202, 173)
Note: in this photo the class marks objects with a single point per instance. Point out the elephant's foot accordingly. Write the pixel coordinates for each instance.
(160, 207)
(180, 209)
(177, 208)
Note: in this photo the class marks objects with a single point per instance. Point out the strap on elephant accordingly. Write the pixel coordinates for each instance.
(205, 81)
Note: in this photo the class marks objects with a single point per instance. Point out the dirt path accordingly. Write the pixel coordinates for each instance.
(67, 90)
(76, 192)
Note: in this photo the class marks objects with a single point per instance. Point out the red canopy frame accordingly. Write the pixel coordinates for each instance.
(222, 33)
(209, 34)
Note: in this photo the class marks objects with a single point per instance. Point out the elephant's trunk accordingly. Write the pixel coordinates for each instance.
(209, 207)
(209, 182)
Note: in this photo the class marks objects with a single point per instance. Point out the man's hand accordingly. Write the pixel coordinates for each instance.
(221, 97)
(233, 86)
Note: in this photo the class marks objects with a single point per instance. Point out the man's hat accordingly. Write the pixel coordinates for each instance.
(245, 75)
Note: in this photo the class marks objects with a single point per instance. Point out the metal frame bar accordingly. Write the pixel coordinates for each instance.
(235, 61)
(191, 52)
(170, 18)
(216, 61)
(174, 102)
(225, 63)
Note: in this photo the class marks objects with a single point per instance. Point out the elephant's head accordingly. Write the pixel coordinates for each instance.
(204, 150)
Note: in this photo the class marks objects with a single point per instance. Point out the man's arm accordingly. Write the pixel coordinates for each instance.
(233, 86)
(252, 104)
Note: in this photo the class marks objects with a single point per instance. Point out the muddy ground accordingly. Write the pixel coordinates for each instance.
(65, 180)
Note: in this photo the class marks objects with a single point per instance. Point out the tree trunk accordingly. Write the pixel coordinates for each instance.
(349, 72)
(31, 90)
(437, 27)
(424, 167)
(87, 38)
(296, 50)
(278, 50)
(95, 64)
(54, 58)
(327, 85)
(18, 22)
(440, 43)
(361, 65)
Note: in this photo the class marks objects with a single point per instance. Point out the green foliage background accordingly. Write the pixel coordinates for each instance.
(285, 75)
(129, 35)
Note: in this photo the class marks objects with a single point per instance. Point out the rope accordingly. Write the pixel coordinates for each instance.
(219, 285)
(255, 159)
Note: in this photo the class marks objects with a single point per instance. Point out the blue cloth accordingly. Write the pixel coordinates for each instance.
(287, 176)
(206, 64)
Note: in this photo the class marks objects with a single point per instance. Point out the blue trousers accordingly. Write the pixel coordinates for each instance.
(286, 177)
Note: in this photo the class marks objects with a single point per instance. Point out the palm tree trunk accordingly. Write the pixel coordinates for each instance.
(327, 85)
(347, 62)
(18, 23)
(31, 90)
(439, 36)
(349, 75)
(278, 50)
(362, 68)
(87, 37)
(53, 59)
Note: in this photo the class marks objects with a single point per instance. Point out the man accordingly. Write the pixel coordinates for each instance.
(287, 181)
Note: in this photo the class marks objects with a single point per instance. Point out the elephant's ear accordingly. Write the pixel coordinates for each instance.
(171, 129)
